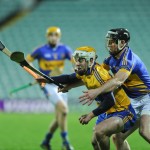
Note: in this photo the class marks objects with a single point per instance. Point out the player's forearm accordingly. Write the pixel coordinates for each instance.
(66, 79)
(76, 84)
(119, 78)
(106, 104)
(68, 87)
(109, 86)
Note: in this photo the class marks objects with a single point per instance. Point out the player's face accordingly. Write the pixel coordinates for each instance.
(112, 46)
(81, 66)
(53, 38)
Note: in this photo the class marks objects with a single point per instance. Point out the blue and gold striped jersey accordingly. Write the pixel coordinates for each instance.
(50, 58)
(138, 82)
(95, 78)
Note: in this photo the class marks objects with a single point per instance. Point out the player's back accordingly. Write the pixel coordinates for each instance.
(138, 82)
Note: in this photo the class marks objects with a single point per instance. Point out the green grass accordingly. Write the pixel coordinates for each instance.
(25, 132)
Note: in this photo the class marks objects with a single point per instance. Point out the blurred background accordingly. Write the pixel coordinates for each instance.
(23, 24)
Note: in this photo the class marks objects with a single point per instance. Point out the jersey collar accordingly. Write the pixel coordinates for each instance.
(53, 48)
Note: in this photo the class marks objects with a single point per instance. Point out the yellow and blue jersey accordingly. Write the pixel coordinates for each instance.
(96, 77)
(138, 82)
(50, 58)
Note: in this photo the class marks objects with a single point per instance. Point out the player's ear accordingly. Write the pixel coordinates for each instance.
(123, 42)
(96, 57)
(91, 60)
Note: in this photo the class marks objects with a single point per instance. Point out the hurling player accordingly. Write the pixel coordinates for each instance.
(51, 57)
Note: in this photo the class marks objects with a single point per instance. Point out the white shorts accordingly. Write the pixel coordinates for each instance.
(141, 105)
(54, 96)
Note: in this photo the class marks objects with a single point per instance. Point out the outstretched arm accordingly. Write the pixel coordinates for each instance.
(63, 79)
(68, 87)
(110, 85)
(70, 81)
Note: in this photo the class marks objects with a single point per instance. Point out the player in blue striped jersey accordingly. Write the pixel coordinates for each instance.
(51, 58)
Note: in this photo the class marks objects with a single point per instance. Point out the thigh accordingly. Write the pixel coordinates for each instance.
(145, 110)
(145, 123)
(122, 136)
(136, 104)
(145, 113)
(141, 105)
(110, 126)
(128, 117)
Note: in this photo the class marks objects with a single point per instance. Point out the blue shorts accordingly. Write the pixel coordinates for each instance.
(128, 116)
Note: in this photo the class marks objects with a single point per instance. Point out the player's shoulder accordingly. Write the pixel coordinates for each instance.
(107, 59)
(128, 54)
(64, 47)
(101, 73)
(99, 67)
(61, 45)
(43, 46)
(133, 55)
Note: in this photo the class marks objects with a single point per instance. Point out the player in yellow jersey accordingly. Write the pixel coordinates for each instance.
(120, 115)
(51, 57)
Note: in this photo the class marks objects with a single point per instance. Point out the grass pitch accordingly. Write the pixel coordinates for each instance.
(26, 131)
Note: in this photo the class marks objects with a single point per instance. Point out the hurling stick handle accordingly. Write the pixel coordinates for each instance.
(43, 75)
(33, 74)
(22, 87)
(4, 49)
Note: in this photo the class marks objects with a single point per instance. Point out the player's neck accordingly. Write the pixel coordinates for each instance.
(119, 55)
(52, 45)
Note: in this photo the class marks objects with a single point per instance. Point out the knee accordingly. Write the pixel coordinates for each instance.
(141, 132)
(117, 139)
(99, 133)
(114, 138)
(145, 133)
(93, 142)
(62, 108)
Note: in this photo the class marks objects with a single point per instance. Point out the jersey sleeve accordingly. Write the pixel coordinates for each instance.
(34, 55)
(127, 63)
(106, 66)
(102, 75)
(68, 53)
(66, 79)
